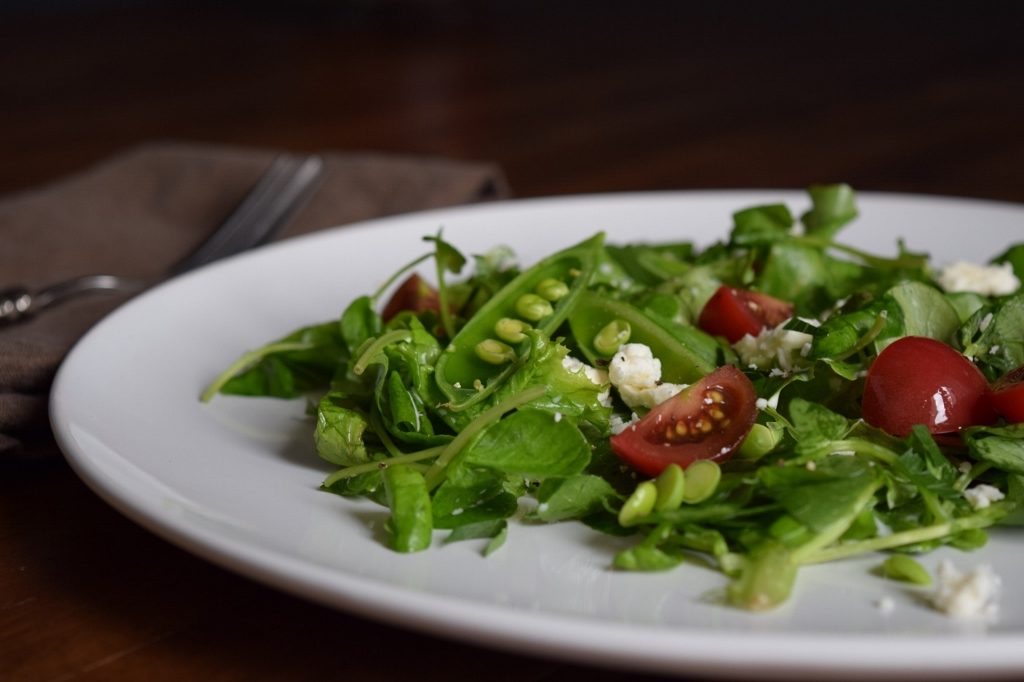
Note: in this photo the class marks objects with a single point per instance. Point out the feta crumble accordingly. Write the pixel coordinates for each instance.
(982, 496)
(987, 280)
(598, 377)
(773, 347)
(885, 605)
(636, 373)
(966, 595)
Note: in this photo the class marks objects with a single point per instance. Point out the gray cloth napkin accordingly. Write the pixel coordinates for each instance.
(140, 212)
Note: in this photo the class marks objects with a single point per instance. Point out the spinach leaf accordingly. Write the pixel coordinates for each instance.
(573, 497)
(833, 206)
(340, 431)
(532, 444)
(410, 526)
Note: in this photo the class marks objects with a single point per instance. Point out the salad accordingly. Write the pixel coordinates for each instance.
(774, 400)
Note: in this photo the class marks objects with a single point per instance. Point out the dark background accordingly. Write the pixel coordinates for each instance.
(567, 97)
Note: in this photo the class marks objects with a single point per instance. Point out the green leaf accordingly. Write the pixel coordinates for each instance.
(303, 361)
(1002, 447)
(490, 529)
(448, 257)
(359, 322)
(833, 206)
(761, 225)
(532, 444)
(574, 497)
(410, 526)
(470, 495)
(1015, 257)
(994, 336)
(831, 493)
(926, 312)
(812, 420)
(340, 430)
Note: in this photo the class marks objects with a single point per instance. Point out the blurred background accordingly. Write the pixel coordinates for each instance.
(567, 96)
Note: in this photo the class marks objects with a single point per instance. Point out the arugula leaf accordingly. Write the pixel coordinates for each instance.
(303, 361)
(761, 225)
(831, 493)
(1000, 446)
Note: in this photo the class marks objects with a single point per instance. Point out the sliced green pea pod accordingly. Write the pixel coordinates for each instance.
(671, 486)
(683, 360)
(702, 479)
(459, 368)
(902, 567)
(639, 504)
(611, 337)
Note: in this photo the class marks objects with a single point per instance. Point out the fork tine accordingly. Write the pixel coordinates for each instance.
(276, 196)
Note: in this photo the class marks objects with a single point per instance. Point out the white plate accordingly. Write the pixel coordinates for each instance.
(235, 481)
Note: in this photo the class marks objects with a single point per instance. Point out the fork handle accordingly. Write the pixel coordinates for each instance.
(18, 303)
(15, 304)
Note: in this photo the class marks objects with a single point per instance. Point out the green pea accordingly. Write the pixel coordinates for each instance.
(612, 336)
(761, 440)
(533, 308)
(494, 352)
(902, 567)
(552, 289)
(702, 479)
(670, 483)
(511, 330)
(639, 504)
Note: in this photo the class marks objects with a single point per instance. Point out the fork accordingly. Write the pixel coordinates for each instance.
(279, 192)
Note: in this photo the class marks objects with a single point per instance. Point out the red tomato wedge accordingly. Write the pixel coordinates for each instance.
(733, 313)
(917, 380)
(1008, 396)
(413, 294)
(708, 420)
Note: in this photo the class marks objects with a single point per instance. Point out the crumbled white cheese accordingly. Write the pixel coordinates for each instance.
(885, 605)
(598, 377)
(966, 595)
(636, 373)
(982, 496)
(773, 347)
(987, 280)
(618, 424)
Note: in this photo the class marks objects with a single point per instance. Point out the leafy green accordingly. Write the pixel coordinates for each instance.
(417, 420)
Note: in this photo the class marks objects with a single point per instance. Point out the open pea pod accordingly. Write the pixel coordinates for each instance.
(484, 352)
(683, 360)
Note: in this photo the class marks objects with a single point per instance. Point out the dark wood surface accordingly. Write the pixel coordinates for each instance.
(567, 97)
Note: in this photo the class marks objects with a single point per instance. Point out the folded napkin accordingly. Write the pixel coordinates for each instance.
(140, 212)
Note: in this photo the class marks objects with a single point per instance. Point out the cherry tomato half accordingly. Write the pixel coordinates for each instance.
(917, 380)
(413, 294)
(733, 313)
(708, 420)
(1008, 396)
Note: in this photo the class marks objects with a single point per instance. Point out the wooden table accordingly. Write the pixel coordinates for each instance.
(571, 97)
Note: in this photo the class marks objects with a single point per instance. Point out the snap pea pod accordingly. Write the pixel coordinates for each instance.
(470, 367)
(682, 361)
